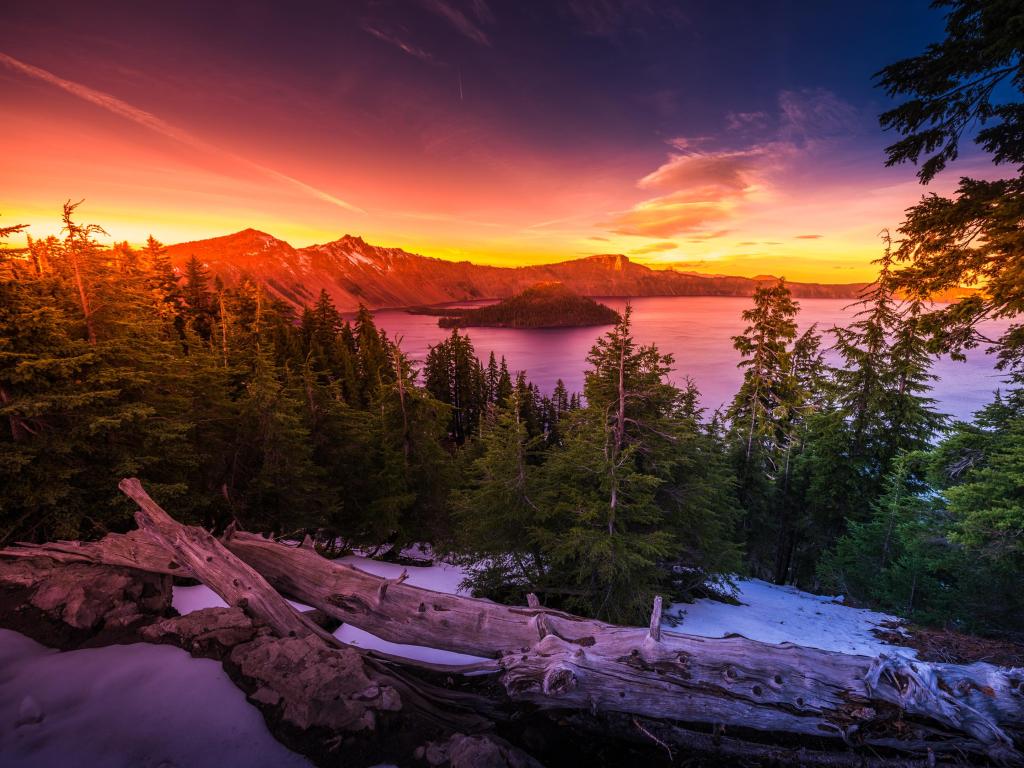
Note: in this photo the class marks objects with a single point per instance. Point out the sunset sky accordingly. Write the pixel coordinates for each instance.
(721, 137)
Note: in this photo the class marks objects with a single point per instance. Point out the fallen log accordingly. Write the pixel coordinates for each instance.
(556, 661)
(307, 679)
(207, 560)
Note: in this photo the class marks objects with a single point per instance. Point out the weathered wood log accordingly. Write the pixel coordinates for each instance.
(234, 581)
(127, 550)
(554, 660)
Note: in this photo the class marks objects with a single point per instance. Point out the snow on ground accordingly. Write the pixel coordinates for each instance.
(440, 577)
(775, 614)
(145, 706)
(189, 599)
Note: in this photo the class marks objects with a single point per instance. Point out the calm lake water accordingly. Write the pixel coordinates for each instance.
(696, 330)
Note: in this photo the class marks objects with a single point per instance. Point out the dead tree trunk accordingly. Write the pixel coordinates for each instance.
(552, 660)
(207, 560)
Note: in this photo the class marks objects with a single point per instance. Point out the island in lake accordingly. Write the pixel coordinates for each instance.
(545, 305)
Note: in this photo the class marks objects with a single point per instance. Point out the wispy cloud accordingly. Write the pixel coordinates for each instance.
(814, 114)
(157, 125)
(664, 245)
(611, 18)
(742, 121)
(392, 38)
(808, 237)
(700, 188)
(471, 28)
(705, 172)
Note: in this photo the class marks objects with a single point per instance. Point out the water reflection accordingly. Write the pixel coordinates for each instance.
(696, 330)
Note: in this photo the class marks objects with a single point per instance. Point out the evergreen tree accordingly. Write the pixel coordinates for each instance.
(620, 499)
(496, 516)
(883, 383)
(198, 299)
(893, 558)
(972, 78)
(762, 418)
(453, 375)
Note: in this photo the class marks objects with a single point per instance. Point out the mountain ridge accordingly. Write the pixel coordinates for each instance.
(353, 271)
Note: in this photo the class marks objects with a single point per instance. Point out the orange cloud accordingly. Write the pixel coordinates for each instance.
(702, 187)
(664, 245)
(669, 215)
(698, 186)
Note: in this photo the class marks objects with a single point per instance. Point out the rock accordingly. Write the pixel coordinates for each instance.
(316, 687)
(210, 632)
(478, 751)
(68, 605)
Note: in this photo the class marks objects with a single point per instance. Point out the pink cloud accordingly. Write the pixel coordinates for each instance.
(664, 245)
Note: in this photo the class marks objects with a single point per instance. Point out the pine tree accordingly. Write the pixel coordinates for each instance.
(764, 348)
(614, 498)
(80, 261)
(198, 299)
(373, 364)
(882, 386)
(760, 417)
(892, 558)
(453, 375)
(496, 516)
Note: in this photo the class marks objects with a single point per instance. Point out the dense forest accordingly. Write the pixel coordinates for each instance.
(231, 406)
(545, 305)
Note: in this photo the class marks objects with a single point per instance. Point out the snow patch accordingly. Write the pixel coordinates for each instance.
(189, 599)
(440, 577)
(126, 705)
(780, 614)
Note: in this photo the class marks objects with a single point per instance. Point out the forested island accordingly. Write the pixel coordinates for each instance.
(545, 305)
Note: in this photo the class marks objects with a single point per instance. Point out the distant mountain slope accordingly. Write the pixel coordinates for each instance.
(545, 305)
(353, 271)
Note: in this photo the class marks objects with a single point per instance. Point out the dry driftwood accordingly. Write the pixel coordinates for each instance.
(554, 660)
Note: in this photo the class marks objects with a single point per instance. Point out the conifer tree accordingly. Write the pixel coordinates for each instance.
(496, 516)
(620, 498)
(197, 297)
(760, 421)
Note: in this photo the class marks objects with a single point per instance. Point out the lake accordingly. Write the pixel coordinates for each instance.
(696, 330)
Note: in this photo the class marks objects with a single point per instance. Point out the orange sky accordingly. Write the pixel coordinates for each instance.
(794, 186)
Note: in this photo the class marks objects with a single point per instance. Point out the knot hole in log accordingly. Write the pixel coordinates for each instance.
(559, 680)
